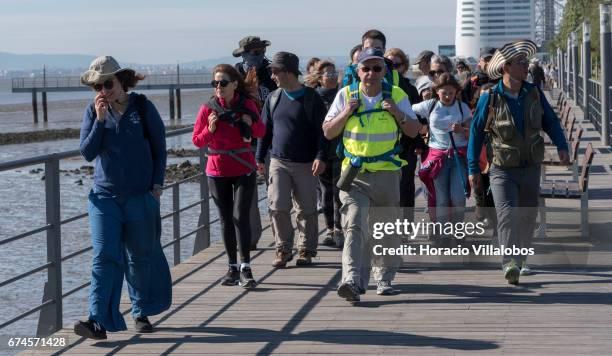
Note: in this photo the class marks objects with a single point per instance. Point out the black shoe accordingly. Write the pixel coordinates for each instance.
(349, 291)
(143, 325)
(246, 278)
(90, 329)
(253, 247)
(231, 278)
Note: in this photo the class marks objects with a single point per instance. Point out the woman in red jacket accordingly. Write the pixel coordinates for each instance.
(225, 125)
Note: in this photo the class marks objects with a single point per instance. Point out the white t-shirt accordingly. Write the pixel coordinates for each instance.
(340, 103)
(440, 121)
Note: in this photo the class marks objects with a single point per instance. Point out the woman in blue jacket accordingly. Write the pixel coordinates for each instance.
(126, 136)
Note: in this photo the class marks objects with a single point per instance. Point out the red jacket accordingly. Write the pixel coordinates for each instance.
(226, 137)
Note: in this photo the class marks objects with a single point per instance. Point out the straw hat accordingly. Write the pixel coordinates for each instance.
(508, 52)
(101, 69)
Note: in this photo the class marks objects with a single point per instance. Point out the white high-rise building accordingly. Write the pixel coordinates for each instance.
(483, 23)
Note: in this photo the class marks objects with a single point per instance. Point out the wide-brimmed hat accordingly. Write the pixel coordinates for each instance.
(248, 43)
(101, 69)
(508, 52)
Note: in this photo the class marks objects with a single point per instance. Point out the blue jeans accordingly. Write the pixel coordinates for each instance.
(449, 192)
(125, 234)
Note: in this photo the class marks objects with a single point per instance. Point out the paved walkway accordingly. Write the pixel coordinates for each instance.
(446, 306)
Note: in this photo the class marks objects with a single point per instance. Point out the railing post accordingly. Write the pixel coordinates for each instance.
(568, 64)
(562, 73)
(559, 69)
(202, 239)
(574, 66)
(606, 70)
(44, 106)
(50, 319)
(176, 223)
(178, 103)
(171, 102)
(34, 106)
(586, 66)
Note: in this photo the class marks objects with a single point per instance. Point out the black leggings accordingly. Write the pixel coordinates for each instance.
(331, 194)
(233, 196)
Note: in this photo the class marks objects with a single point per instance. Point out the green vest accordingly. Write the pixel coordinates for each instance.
(510, 148)
(372, 135)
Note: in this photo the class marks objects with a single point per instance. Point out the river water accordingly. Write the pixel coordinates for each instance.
(22, 206)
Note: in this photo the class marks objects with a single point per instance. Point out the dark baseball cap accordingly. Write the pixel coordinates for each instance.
(370, 53)
(286, 61)
(487, 52)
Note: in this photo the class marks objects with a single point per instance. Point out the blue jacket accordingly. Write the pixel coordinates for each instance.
(550, 122)
(128, 162)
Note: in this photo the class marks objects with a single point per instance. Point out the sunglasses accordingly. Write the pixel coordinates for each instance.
(376, 69)
(330, 74)
(108, 85)
(434, 73)
(257, 52)
(397, 64)
(222, 82)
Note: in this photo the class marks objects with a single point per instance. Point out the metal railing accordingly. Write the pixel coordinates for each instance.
(580, 92)
(594, 103)
(51, 308)
(75, 81)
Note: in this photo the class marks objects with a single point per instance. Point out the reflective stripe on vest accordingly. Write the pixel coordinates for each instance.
(372, 134)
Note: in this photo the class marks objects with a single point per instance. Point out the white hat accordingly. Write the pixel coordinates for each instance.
(508, 52)
(101, 69)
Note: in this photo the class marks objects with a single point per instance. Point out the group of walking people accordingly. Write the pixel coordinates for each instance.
(351, 144)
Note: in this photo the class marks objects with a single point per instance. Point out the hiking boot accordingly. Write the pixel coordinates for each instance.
(329, 239)
(349, 291)
(361, 290)
(338, 238)
(384, 287)
(246, 278)
(231, 277)
(281, 259)
(90, 329)
(143, 325)
(525, 270)
(305, 258)
(512, 273)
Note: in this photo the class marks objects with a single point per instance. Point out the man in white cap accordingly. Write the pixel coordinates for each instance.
(513, 113)
(370, 115)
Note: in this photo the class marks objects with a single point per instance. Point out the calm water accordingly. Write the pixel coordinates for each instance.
(23, 204)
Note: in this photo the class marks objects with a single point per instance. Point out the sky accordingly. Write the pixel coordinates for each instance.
(165, 31)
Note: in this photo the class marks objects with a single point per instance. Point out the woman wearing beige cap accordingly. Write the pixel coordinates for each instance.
(125, 135)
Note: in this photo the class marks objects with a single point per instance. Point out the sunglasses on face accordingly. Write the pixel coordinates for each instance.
(434, 73)
(521, 62)
(108, 85)
(257, 52)
(376, 69)
(221, 82)
(330, 74)
(397, 64)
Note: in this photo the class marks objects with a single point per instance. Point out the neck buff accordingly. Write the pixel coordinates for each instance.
(252, 60)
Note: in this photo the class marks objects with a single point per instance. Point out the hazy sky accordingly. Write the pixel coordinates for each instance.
(165, 31)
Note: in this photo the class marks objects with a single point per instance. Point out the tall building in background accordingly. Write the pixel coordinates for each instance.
(482, 23)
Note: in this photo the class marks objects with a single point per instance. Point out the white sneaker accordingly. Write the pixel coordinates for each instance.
(384, 288)
(525, 270)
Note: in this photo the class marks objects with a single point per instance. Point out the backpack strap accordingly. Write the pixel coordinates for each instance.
(432, 107)
(493, 99)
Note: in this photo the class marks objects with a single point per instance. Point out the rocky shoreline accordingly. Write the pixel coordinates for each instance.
(174, 172)
(11, 138)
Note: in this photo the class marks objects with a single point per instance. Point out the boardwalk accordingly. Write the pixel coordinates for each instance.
(455, 307)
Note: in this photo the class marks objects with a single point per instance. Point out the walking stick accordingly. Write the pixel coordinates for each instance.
(459, 165)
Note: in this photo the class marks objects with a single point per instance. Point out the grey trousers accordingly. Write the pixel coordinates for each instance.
(287, 180)
(373, 197)
(515, 193)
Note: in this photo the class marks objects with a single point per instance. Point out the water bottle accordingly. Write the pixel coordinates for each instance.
(347, 176)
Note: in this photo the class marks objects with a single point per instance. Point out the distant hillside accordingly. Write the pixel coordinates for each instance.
(18, 62)
(35, 62)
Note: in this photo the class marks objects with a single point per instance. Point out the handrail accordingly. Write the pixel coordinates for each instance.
(52, 307)
(75, 81)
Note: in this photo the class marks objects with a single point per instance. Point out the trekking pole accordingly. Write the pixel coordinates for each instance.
(459, 165)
